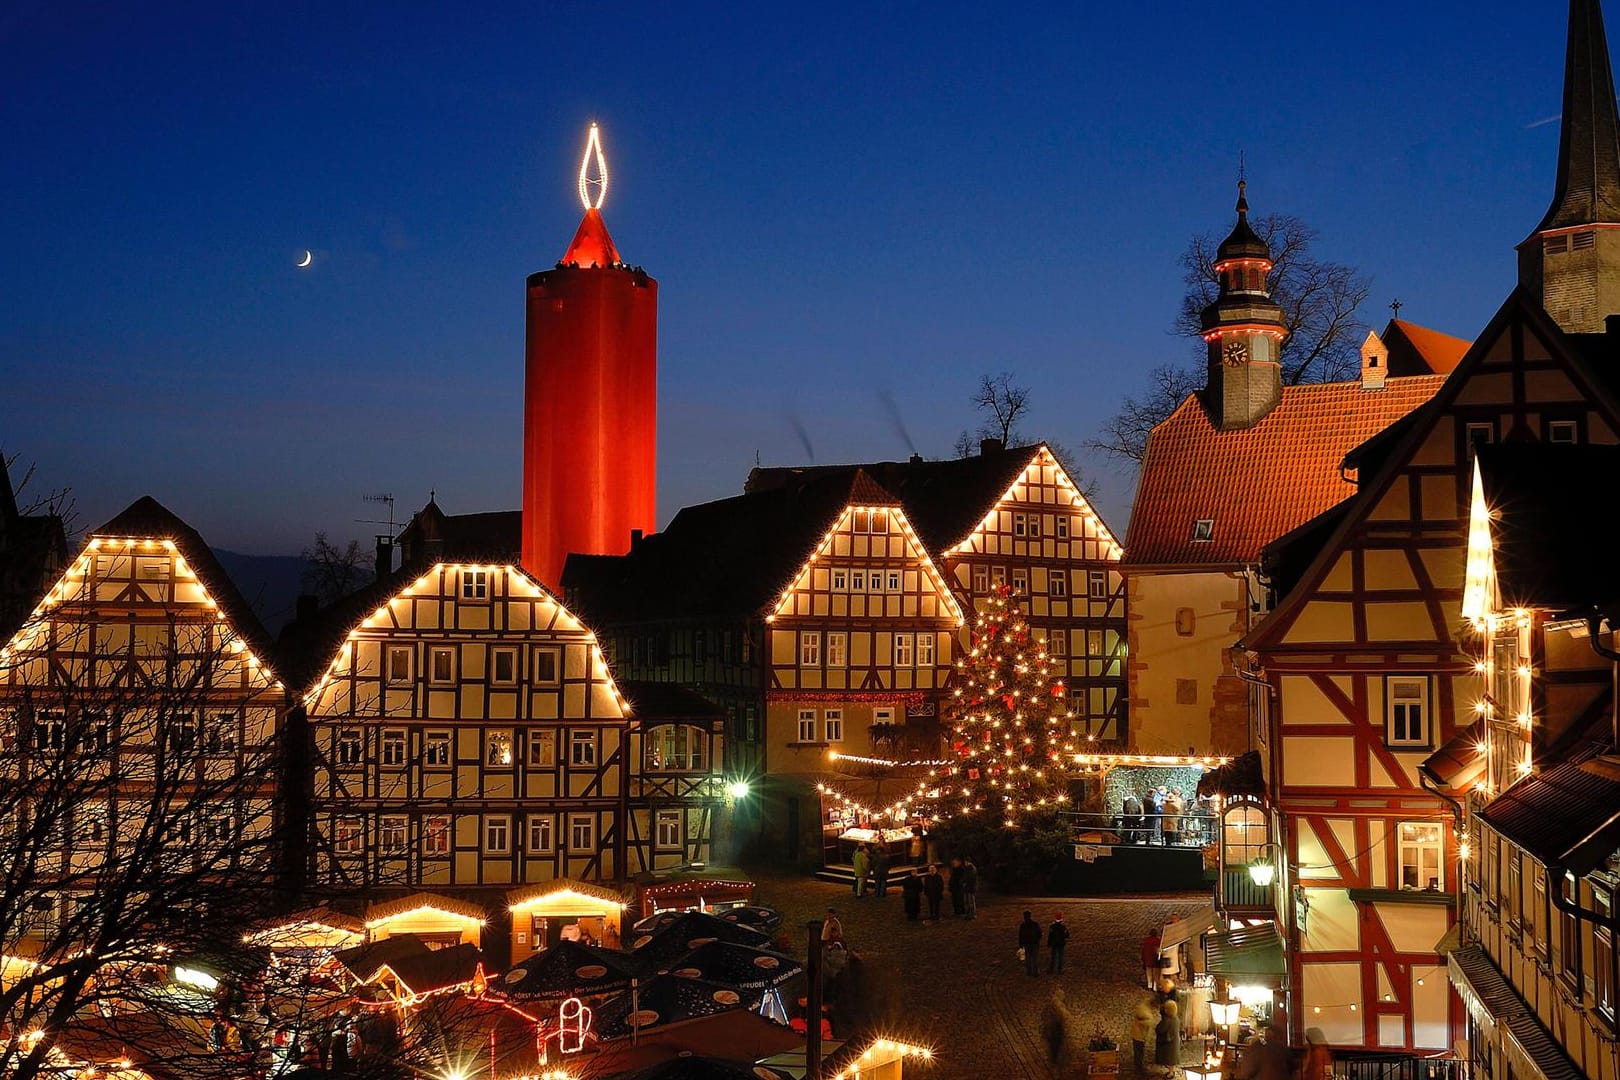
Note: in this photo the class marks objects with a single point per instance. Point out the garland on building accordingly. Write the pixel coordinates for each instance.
(1009, 718)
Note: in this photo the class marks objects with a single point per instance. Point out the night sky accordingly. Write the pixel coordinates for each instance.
(844, 208)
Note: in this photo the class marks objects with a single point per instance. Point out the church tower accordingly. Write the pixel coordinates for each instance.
(1244, 330)
(1572, 260)
(590, 404)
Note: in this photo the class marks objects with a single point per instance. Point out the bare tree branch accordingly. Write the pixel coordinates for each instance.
(333, 572)
(1002, 402)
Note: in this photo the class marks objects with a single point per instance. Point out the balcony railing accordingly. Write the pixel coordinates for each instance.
(1239, 890)
(1384, 1065)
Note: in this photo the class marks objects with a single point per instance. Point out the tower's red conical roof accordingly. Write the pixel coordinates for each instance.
(592, 244)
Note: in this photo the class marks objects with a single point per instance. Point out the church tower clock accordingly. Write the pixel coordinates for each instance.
(1243, 329)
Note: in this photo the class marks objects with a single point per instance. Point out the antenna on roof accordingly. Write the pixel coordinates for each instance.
(387, 500)
(385, 541)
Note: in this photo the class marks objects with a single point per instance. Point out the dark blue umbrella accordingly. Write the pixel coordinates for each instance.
(653, 923)
(667, 999)
(567, 969)
(738, 966)
(761, 918)
(655, 951)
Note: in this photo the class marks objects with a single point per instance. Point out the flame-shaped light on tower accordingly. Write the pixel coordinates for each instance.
(593, 150)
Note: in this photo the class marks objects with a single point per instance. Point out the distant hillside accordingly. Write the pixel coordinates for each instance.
(270, 583)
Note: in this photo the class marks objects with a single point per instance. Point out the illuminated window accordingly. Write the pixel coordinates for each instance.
(582, 748)
(391, 831)
(925, 650)
(475, 585)
(809, 648)
(436, 835)
(581, 832)
(441, 664)
(393, 747)
(902, 650)
(1562, 431)
(503, 666)
(399, 664)
(1421, 850)
(807, 725)
(1057, 584)
(675, 748)
(834, 724)
(348, 746)
(840, 579)
(497, 834)
(548, 664)
(1061, 527)
(542, 748)
(498, 748)
(436, 750)
(1407, 709)
(348, 838)
(1243, 835)
(1097, 584)
(667, 830)
(1020, 582)
(541, 838)
(981, 580)
(837, 649)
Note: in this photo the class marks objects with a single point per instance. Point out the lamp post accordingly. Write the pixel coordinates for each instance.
(1263, 870)
(1225, 1015)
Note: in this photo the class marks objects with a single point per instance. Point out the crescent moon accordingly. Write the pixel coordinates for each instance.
(309, 257)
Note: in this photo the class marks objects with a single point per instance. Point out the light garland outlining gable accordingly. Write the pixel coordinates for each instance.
(1031, 475)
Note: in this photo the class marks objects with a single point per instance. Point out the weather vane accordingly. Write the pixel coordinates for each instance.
(593, 146)
(1395, 306)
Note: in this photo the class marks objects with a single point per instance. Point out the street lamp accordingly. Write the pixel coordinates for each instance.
(1263, 869)
(1225, 1015)
(737, 789)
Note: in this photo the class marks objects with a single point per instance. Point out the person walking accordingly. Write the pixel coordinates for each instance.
(1167, 1038)
(934, 891)
(1029, 943)
(1143, 1027)
(832, 930)
(1150, 958)
(880, 870)
(970, 886)
(911, 893)
(1057, 939)
(863, 867)
(1173, 809)
(1155, 811)
(1055, 1029)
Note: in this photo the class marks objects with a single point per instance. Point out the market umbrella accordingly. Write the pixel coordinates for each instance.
(653, 952)
(655, 922)
(666, 999)
(689, 1066)
(761, 918)
(568, 969)
(740, 966)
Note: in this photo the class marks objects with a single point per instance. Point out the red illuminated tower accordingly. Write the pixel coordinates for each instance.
(590, 395)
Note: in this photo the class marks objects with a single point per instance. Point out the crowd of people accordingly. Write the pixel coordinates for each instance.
(920, 885)
(1164, 815)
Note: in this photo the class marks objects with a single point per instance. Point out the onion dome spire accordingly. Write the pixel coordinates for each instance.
(1243, 328)
(1244, 242)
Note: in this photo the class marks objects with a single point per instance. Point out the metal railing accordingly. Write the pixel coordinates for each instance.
(1170, 830)
(1384, 1065)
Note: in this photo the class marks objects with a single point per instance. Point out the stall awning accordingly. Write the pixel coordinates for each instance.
(1246, 951)
(1185, 930)
(1494, 1004)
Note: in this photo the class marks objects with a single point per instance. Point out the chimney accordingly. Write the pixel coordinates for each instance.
(308, 606)
(1374, 362)
(385, 557)
(635, 539)
(987, 447)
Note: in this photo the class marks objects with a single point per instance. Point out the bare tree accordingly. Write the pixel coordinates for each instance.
(33, 501)
(1002, 403)
(1319, 301)
(334, 572)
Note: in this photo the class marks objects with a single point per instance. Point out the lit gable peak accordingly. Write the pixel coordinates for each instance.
(1043, 468)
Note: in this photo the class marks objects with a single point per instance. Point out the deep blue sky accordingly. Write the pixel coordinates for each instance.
(838, 204)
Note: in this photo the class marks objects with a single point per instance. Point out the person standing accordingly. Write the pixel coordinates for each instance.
(880, 869)
(1057, 939)
(934, 891)
(832, 930)
(1167, 1037)
(958, 907)
(1029, 941)
(1130, 814)
(862, 868)
(970, 886)
(1173, 809)
(1143, 1027)
(1150, 958)
(1155, 811)
(911, 892)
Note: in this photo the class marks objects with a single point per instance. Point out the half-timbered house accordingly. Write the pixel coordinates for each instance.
(1366, 654)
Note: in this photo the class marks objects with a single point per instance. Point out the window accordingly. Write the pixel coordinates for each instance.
(503, 666)
(859, 521)
(581, 832)
(1186, 621)
(998, 576)
(221, 735)
(475, 585)
(667, 829)
(834, 726)
(837, 649)
(1057, 584)
(1407, 705)
(1243, 831)
(1061, 527)
(92, 821)
(1203, 531)
(541, 840)
(436, 750)
(883, 715)
(1034, 525)
(348, 746)
(548, 665)
(1515, 898)
(436, 835)
(1569, 938)
(893, 581)
(880, 521)
(981, 580)
(1603, 960)
(441, 665)
(399, 664)
(347, 836)
(857, 581)
(582, 748)
(1562, 431)
(1020, 525)
(1482, 434)
(542, 748)
(840, 579)
(498, 748)
(391, 834)
(1097, 584)
(675, 748)
(393, 747)
(1421, 852)
(497, 834)
(809, 648)
(807, 725)
(925, 650)
(902, 650)
(1057, 642)
(1538, 914)
(1020, 582)
(182, 734)
(216, 828)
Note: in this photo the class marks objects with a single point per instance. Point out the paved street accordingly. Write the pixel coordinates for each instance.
(959, 987)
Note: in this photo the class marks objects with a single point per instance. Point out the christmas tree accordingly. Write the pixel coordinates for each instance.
(1009, 720)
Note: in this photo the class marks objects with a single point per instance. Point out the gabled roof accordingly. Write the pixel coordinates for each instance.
(1566, 815)
(1552, 532)
(652, 702)
(1459, 762)
(1418, 350)
(450, 905)
(492, 536)
(1258, 483)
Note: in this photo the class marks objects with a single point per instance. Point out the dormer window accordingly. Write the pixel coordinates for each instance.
(1203, 530)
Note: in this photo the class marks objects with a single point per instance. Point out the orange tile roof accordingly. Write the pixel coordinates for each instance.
(1259, 483)
(1439, 352)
